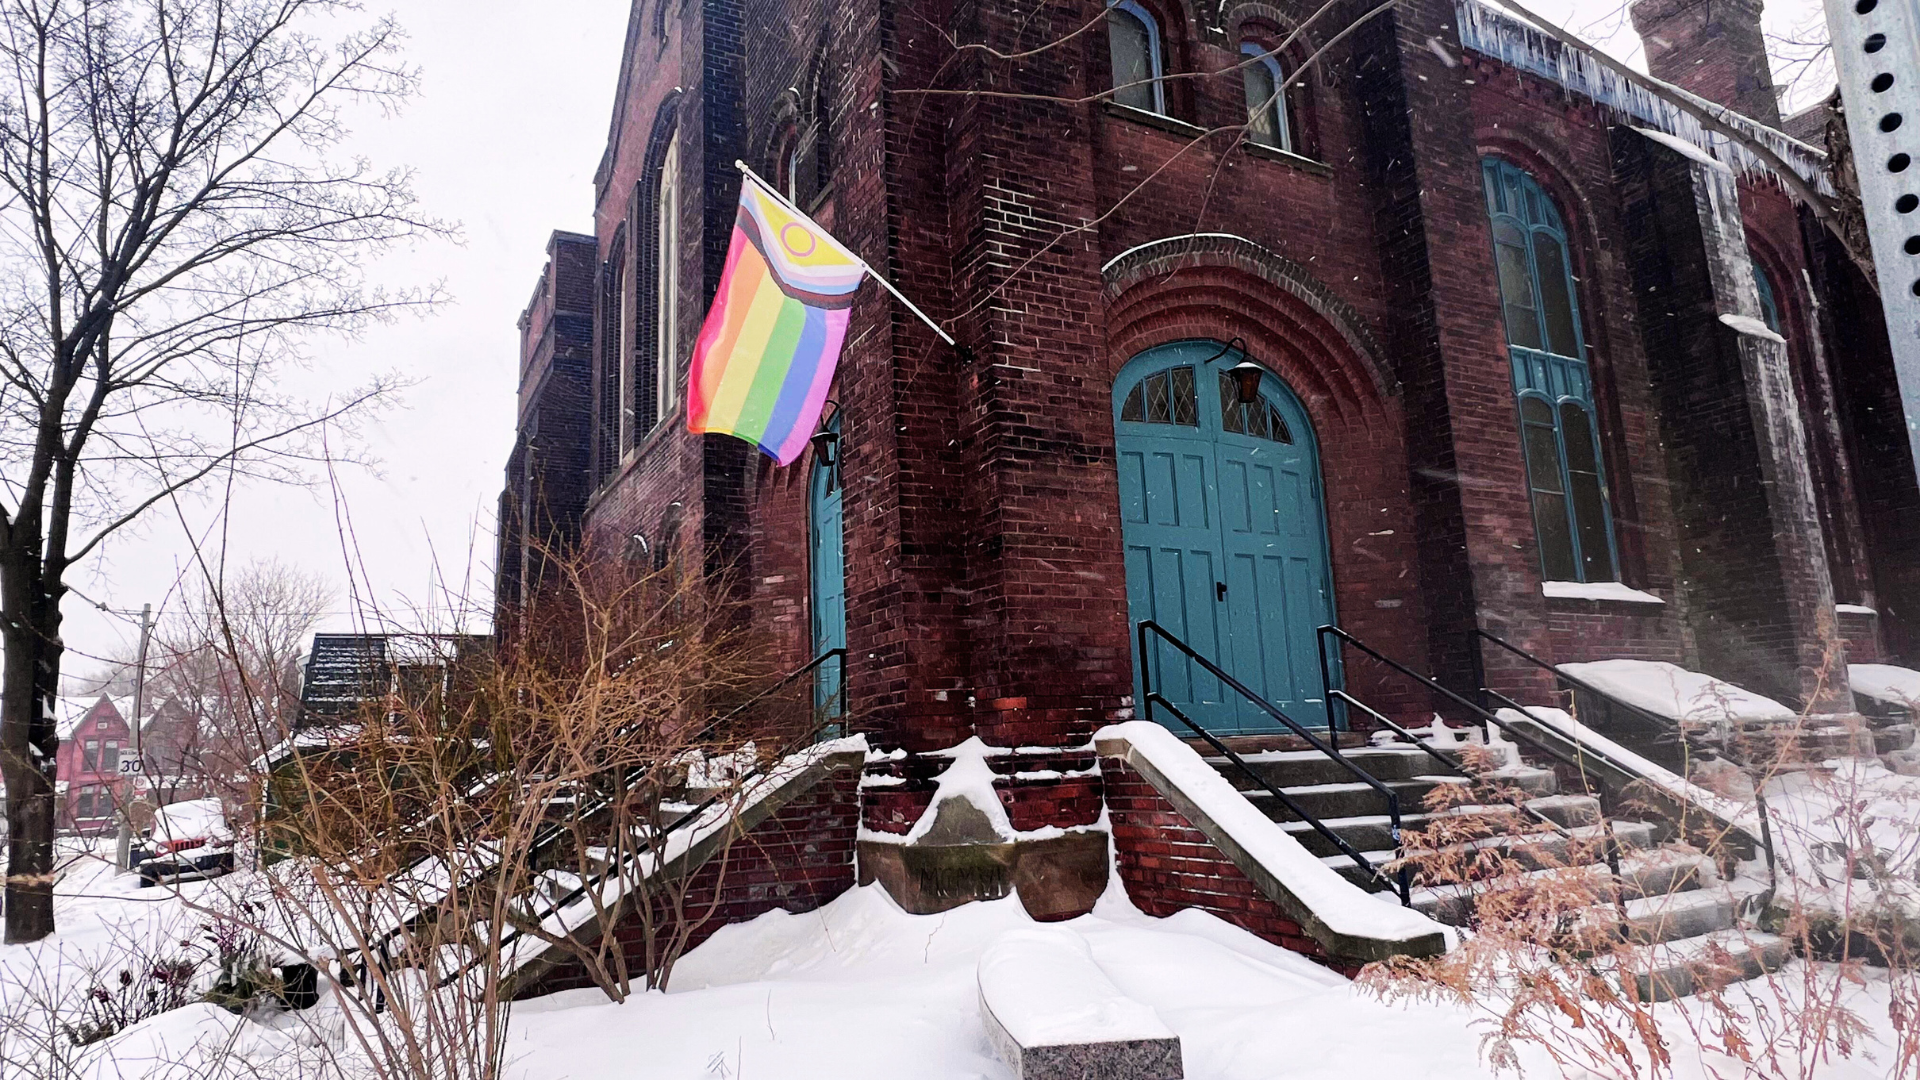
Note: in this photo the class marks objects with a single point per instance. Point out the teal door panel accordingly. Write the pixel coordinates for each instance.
(827, 567)
(1225, 537)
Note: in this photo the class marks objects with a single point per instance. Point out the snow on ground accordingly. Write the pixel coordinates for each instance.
(1819, 814)
(860, 989)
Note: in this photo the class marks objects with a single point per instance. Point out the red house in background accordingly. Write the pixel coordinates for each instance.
(91, 790)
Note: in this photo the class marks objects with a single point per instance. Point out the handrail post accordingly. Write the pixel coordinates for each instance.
(1326, 686)
(1146, 669)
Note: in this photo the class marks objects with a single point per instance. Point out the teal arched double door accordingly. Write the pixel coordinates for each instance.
(1225, 532)
(827, 572)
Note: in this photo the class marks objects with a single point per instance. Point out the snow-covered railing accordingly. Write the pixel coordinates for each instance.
(1500, 36)
(1346, 920)
(688, 844)
(1622, 767)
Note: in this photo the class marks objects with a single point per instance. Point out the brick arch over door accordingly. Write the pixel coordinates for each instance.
(1211, 276)
(1223, 287)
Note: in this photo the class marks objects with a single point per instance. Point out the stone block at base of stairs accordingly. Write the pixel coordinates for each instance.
(1052, 1013)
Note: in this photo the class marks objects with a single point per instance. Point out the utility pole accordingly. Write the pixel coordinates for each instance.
(123, 850)
(1876, 54)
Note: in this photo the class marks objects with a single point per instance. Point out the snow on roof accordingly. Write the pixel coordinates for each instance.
(1511, 39)
(1885, 682)
(1675, 693)
(71, 712)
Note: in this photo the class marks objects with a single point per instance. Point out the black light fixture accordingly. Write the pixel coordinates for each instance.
(1246, 381)
(826, 439)
(1245, 374)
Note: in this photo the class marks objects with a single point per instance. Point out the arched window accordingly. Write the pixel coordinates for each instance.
(1267, 120)
(1769, 307)
(1565, 479)
(667, 278)
(1134, 37)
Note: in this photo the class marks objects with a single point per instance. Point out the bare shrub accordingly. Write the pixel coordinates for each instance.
(1544, 961)
(528, 801)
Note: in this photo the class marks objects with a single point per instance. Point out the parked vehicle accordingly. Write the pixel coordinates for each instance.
(187, 840)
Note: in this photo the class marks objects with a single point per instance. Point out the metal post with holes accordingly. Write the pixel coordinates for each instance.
(1876, 54)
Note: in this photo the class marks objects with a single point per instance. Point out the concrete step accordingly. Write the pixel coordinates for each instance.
(1677, 969)
(1538, 782)
(1538, 851)
(1370, 832)
(1642, 873)
(1567, 810)
(1298, 768)
(1668, 917)
(1345, 800)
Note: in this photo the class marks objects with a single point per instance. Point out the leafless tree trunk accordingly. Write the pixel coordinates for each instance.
(172, 226)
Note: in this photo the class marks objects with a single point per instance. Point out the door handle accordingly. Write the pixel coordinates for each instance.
(1219, 590)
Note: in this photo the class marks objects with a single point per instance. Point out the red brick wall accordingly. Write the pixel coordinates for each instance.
(1167, 864)
(1037, 790)
(796, 860)
(985, 581)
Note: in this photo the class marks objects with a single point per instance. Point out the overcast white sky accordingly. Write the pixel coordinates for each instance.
(505, 137)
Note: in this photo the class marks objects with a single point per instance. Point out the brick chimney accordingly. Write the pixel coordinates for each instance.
(1713, 48)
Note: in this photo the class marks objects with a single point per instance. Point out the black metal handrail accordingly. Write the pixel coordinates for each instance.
(1598, 792)
(1577, 683)
(1150, 697)
(549, 833)
(660, 839)
(1446, 762)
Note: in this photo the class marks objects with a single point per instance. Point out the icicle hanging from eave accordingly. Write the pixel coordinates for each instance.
(1502, 37)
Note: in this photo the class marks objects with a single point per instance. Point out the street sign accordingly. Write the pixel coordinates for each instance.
(129, 766)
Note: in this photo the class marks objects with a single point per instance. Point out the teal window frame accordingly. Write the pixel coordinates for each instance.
(1155, 60)
(1540, 310)
(1255, 57)
(1769, 304)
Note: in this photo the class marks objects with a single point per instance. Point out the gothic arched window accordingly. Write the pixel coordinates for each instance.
(1267, 120)
(1134, 37)
(1565, 478)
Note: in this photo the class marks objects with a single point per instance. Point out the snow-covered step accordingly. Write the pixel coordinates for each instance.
(1677, 969)
(1283, 768)
(1355, 799)
(1642, 873)
(1586, 844)
(1672, 916)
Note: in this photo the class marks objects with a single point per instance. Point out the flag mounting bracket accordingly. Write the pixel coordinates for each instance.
(775, 195)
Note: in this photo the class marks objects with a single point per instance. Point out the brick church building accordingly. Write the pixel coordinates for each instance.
(1431, 326)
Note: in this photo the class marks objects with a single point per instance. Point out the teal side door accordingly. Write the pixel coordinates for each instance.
(1225, 534)
(828, 573)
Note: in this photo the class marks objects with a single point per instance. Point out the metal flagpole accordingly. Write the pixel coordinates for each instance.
(864, 264)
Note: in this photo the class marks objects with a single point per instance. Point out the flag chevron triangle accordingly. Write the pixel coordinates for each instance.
(804, 258)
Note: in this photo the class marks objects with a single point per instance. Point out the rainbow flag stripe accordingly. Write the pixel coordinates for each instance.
(768, 349)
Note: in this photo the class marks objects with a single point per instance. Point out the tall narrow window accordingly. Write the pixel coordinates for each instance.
(667, 275)
(623, 334)
(1565, 479)
(1769, 306)
(1134, 38)
(1267, 122)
